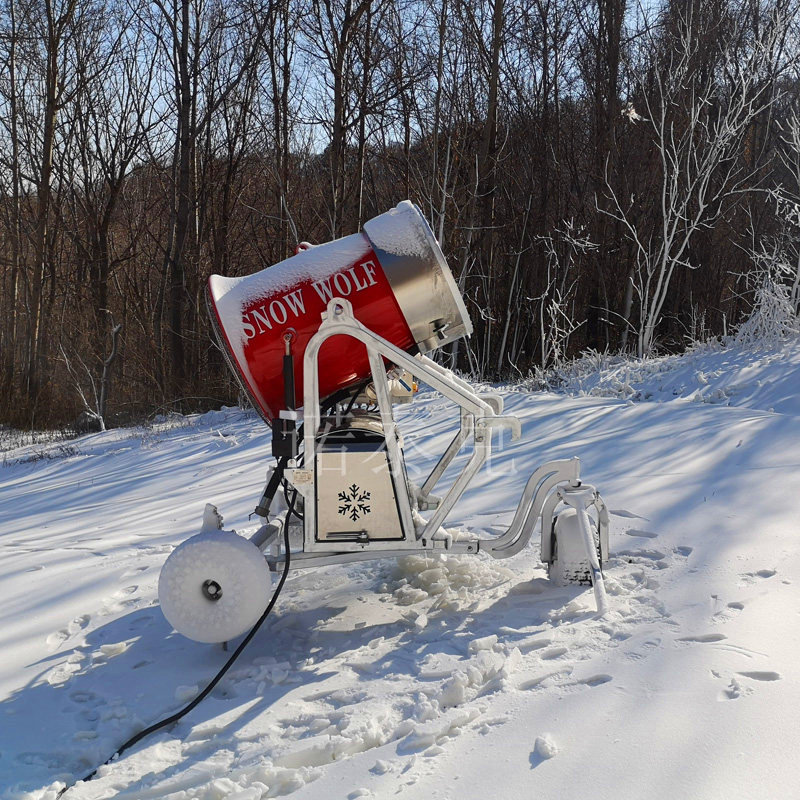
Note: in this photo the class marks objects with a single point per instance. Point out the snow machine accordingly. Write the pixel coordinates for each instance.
(325, 343)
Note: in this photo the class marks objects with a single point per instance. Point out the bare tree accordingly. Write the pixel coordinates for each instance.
(144, 146)
(91, 387)
(113, 113)
(13, 221)
(556, 316)
(781, 251)
(697, 106)
(195, 39)
(333, 26)
(60, 82)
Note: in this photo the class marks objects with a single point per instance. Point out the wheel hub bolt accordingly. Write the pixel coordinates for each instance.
(212, 590)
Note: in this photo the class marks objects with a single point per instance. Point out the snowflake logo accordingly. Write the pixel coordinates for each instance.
(353, 503)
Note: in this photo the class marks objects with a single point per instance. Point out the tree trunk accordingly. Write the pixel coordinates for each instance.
(55, 30)
(182, 217)
(362, 114)
(16, 222)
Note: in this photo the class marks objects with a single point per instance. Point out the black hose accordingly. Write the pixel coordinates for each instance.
(360, 388)
(330, 407)
(270, 491)
(216, 679)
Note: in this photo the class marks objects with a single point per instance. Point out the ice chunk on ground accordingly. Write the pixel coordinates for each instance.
(113, 649)
(455, 581)
(485, 643)
(545, 747)
(185, 693)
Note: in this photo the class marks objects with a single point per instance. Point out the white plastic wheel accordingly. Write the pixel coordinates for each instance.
(214, 586)
(570, 562)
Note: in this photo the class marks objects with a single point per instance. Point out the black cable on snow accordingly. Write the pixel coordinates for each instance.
(215, 680)
(277, 477)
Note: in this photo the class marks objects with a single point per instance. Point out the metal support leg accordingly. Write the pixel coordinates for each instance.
(580, 498)
(464, 431)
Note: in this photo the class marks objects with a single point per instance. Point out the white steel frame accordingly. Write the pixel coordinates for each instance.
(553, 483)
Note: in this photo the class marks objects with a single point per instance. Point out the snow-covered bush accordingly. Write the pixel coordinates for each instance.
(27, 446)
(574, 372)
(773, 318)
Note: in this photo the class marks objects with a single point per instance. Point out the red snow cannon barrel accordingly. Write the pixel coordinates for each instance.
(396, 278)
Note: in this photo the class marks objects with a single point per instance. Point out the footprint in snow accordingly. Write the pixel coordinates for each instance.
(704, 638)
(78, 624)
(546, 680)
(116, 602)
(644, 649)
(621, 512)
(140, 622)
(736, 688)
(731, 610)
(85, 698)
(734, 691)
(37, 760)
(640, 534)
(644, 557)
(132, 573)
(62, 673)
(593, 680)
(748, 578)
(651, 554)
(55, 640)
(761, 675)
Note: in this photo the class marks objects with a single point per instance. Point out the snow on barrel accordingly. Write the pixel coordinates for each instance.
(395, 276)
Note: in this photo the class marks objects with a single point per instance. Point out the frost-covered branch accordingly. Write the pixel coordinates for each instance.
(698, 107)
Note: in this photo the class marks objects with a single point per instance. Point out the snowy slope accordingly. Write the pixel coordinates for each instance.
(385, 678)
(709, 373)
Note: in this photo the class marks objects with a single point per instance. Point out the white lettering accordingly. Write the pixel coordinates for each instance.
(275, 309)
(249, 330)
(323, 289)
(295, 302)
(359, 286)
(338, 279)
(369, 269)
(262, 317)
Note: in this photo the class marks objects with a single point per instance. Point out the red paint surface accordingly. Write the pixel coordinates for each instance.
(343, 360)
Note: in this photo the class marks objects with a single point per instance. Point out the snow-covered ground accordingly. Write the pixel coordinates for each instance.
(426, 678)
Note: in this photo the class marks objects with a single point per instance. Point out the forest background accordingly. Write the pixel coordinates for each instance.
(602, 175)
